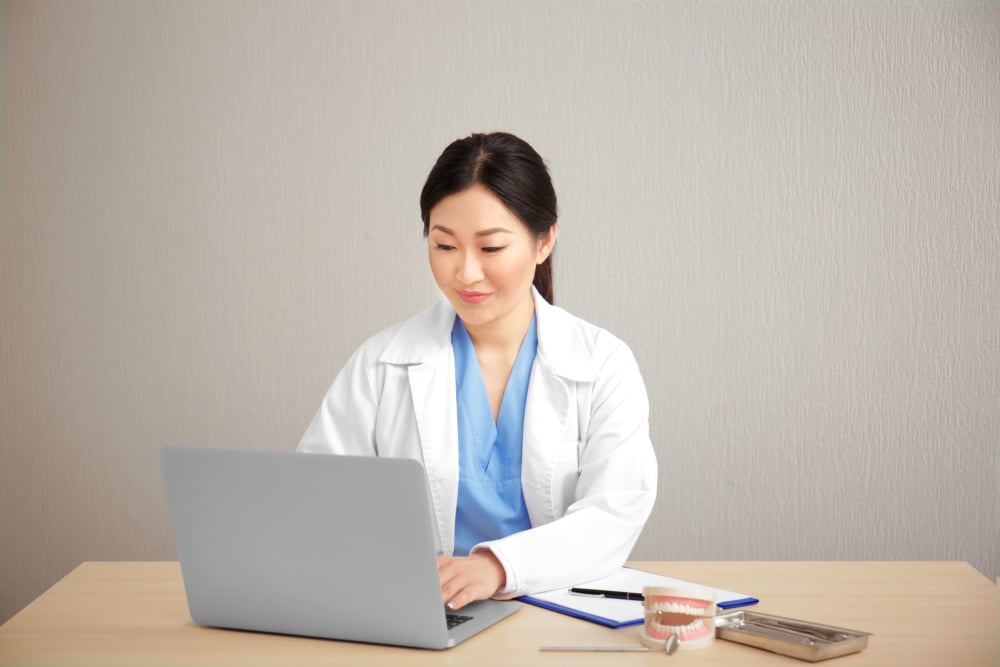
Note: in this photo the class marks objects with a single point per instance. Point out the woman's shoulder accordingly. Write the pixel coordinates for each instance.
(570, 342)
(414, 338)
(567, 323)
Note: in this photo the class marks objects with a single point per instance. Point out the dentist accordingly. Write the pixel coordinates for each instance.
(532, 425)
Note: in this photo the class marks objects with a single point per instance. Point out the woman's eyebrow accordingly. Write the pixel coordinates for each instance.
(494, 230)
(482, 232)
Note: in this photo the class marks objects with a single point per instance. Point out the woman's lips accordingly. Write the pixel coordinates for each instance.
(472, 297)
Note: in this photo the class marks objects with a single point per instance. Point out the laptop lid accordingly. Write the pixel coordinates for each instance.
(340, 547)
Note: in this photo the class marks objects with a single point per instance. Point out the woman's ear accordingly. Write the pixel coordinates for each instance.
(546, 243)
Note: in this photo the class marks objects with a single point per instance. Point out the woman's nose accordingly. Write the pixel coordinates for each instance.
(469, 269)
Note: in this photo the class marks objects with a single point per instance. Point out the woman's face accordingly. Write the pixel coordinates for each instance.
(483, 258)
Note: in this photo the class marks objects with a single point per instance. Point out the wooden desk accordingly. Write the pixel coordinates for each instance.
(928, 613)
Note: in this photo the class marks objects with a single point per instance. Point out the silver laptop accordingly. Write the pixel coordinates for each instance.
(340, 547)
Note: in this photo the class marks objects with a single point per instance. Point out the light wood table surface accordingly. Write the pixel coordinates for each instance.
(134, 613)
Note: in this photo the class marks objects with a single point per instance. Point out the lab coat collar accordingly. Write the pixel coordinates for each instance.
(563, 345)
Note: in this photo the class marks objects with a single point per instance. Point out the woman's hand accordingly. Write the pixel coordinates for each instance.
(468, 578)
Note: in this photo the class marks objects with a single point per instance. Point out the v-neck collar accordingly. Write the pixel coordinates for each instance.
(474, 403)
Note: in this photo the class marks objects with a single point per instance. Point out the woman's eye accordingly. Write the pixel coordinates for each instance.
(493, 249)
(443, 246)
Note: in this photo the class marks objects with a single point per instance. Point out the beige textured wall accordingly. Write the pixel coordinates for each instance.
(790, 210)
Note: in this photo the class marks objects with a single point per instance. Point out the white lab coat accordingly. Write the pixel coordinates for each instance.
(588, 468)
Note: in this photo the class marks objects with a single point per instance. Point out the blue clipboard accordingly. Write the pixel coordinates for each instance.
(622, 613)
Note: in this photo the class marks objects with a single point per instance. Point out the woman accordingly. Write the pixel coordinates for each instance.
(532, 425)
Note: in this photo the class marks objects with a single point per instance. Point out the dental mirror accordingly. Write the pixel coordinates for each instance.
(669, 647)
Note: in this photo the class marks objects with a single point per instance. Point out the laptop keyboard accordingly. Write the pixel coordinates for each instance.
(456, 619)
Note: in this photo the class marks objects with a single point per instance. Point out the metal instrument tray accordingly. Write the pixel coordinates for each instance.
(796, 638)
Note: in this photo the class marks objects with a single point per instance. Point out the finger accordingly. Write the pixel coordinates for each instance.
(454, 587)
(451, 579)
(462, 598)
(448, 571)
(448, 591)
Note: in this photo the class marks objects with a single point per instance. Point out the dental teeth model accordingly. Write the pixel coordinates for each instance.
(688, 613)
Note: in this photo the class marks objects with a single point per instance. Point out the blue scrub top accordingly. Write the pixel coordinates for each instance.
(490, 499)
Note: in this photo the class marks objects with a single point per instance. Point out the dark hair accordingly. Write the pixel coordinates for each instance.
(513, 171)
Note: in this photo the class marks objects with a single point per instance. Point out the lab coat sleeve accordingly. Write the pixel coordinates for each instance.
(345, 421)
(613, 496)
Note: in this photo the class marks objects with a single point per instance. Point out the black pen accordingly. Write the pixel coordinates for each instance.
(601, 593)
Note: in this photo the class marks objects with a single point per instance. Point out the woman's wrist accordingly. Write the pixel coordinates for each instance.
(507, 581)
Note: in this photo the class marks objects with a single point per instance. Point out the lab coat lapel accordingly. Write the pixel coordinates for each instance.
(432, 386)
(545, 439)
(423, 346)
(551, 434)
